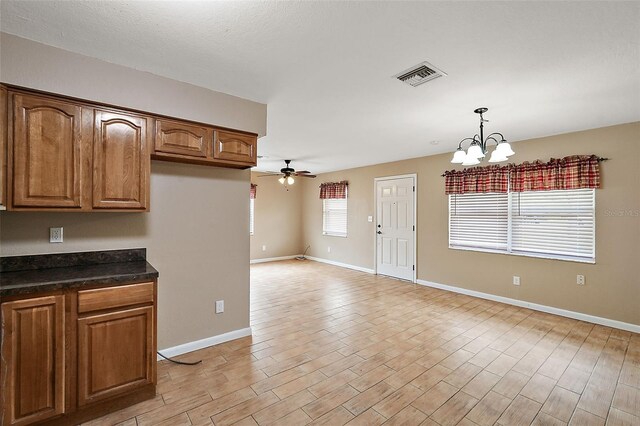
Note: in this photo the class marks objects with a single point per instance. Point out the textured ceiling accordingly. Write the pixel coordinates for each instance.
(324, 68)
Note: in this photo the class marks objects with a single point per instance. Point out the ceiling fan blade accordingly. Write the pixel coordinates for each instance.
(303, 171)
(309, 176)
(271, 175)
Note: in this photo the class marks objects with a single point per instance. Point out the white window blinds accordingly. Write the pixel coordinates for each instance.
(334, 217)
(478, 220)
(251, 215)
(553, 224)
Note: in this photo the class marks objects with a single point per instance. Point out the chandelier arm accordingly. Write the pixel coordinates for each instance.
(491, 138)
(480, 140)
(497, 133)
(465, 139)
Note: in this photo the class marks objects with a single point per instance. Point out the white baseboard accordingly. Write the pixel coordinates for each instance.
(204, 343)
(343, 265)
(536, 307)
(273, 259)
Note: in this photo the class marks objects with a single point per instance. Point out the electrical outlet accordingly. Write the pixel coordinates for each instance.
(328, 249)
(516, 280)
(580, 279)
(55, 235)
(264, 248)
(219, 306)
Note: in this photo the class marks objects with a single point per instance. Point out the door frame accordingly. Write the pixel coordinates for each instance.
(414, 176)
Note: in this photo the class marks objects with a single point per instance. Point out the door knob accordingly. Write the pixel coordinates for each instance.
(379, 232)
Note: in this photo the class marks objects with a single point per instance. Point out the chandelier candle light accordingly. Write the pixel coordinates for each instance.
(478, 148)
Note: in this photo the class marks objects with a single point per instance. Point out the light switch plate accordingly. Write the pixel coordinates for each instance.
(369, 218)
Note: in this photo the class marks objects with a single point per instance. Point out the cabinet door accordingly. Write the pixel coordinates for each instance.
(3, 145)
(47, 148)
(174, 137)
(116, 353)
(120, 161)
(235, 147)
(32, 367)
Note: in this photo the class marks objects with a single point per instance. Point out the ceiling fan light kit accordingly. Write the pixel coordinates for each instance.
(478, 148)
(287, 174)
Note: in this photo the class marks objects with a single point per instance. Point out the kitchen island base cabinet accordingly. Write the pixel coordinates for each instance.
(33, 359)
(74, 355)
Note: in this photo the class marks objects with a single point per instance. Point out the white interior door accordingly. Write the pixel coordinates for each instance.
(395, 228)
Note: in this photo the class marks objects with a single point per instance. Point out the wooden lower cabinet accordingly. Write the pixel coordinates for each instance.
(33, 360)
(115, 353)
(77, 355)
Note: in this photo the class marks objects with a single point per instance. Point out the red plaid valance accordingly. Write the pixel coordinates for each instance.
(252, 191)
(334, 190)
(477, 179)
(573, 172)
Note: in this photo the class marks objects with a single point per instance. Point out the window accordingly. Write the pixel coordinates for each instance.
(251, 215)
(551, 224)
(334, 217)
(478, 220)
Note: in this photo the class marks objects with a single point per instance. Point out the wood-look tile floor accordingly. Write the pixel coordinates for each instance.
(334, 346)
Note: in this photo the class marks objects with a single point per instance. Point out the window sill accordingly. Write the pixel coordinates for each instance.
(523, 254)
(326, 234)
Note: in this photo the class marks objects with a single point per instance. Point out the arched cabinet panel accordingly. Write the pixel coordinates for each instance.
(175, 137)
(236, 147)
(120, 161)
(47, 153)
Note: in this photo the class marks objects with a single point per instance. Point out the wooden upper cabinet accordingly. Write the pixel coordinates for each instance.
(121, 161)
(47, 153)
(116, 353)
(235, 147)
(3, 145)
(64, 154)
(175, 137)
(33, 352)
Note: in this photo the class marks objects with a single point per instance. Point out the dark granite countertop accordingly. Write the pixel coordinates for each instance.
(41, 273)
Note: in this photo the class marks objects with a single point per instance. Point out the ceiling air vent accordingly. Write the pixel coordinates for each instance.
(419, 74)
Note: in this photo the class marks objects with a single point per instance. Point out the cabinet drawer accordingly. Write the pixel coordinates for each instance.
(114, 297)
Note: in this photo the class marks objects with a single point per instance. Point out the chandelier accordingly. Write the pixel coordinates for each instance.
(478, 148)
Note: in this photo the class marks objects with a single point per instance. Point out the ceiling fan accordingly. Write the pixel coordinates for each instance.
(287, 173)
